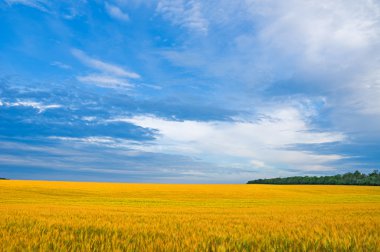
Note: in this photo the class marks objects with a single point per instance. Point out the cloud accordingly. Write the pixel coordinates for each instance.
(103, 66)
(115, 12)
(105, 81)
(364, 93)
(264, 50)
(37, 4)
(258, 163)
(97, 158)
(60, 65)
(110, 76)
(35, 105)
(109, 141)
(311, 37)
(259, 143)
(187, 14)
(318, 33)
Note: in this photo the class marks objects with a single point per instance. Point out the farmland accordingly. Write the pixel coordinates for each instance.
(72, 216)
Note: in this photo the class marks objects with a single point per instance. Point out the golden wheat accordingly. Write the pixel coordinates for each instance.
(68, 216)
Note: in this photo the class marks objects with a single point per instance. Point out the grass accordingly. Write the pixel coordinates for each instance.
(72, 216)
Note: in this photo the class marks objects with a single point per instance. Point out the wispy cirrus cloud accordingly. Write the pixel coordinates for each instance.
(41, 5)
(41, 107)
(115, 12)
(111, 75)
(105, 81)
(103, 66)
(60, 65)
(187, 14)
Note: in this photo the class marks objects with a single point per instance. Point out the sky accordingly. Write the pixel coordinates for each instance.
(188, 91)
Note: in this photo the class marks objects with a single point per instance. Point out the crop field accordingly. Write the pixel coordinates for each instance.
(73, 216)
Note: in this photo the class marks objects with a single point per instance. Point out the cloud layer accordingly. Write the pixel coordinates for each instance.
(261, 143)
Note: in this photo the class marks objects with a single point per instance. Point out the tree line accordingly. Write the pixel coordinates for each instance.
(355, 178)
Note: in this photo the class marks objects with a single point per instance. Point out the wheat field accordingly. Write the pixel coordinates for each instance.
(78, 216)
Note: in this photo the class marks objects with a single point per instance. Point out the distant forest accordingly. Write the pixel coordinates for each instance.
(350, 178)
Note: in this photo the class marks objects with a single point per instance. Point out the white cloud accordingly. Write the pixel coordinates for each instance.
(110, 142)
(336, 43)
(258, 163)
(327, 47)
(89, 118)
(115, 12)
(261, 144)
(60, 65)
(186, 14)
(110, 76)
(35, 105)
(318, 32)
(103, 66)
(313, 37)
(37, 4)
(89, 140)
(105, 81)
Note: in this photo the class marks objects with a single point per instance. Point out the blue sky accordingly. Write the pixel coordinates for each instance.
(188, 91)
